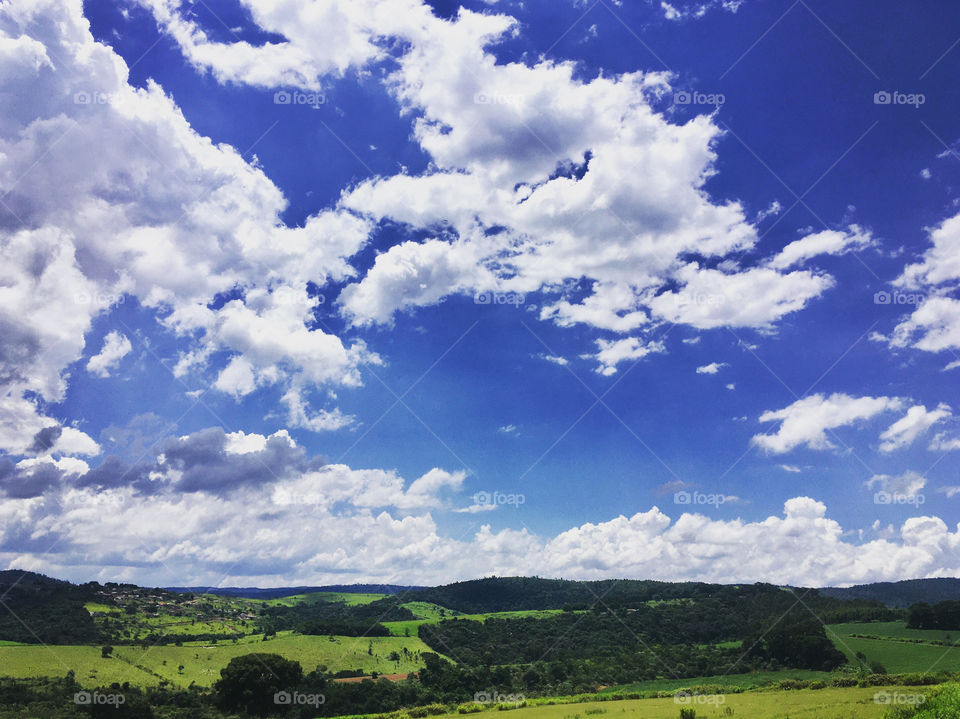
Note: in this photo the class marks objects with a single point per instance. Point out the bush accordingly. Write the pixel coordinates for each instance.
(426, 710)
(688, 713)
(818, 684)
(844, 682)
(792, 684)
(469, 708)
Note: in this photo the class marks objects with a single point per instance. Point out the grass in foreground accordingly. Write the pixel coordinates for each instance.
(744, 681)
(829, 703)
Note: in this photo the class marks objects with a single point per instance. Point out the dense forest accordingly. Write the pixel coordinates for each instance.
(942, 615)
(500, 594)
(35, 609)
(716, 633)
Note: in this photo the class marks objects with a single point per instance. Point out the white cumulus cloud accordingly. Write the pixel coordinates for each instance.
(807, 421)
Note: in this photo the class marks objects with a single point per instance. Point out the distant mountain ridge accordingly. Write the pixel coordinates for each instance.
(500, 593)
(900, 594)
(280, 592)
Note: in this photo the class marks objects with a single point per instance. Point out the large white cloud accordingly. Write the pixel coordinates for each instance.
(542, 177)
(337, 524)
(144, 206)
(808, 421)
(351, 34)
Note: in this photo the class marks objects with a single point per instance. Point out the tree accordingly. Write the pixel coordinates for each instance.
(921, 616)
(249, 682)
(106, 651)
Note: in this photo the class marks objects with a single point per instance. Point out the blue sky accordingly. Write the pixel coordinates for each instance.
(481, 288)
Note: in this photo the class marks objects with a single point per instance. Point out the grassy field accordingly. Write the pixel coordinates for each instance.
(428, 610)
(319, 597)
(895, 630)
(745, 681)
(902, 657)
(98, 608)
(202, 663)
(891, 651)
(400, 629)
(830, 703)
(28, 661)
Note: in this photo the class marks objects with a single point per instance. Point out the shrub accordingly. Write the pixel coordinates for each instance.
(792, 684)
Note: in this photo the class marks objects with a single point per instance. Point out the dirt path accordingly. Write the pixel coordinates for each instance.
(390, 677)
